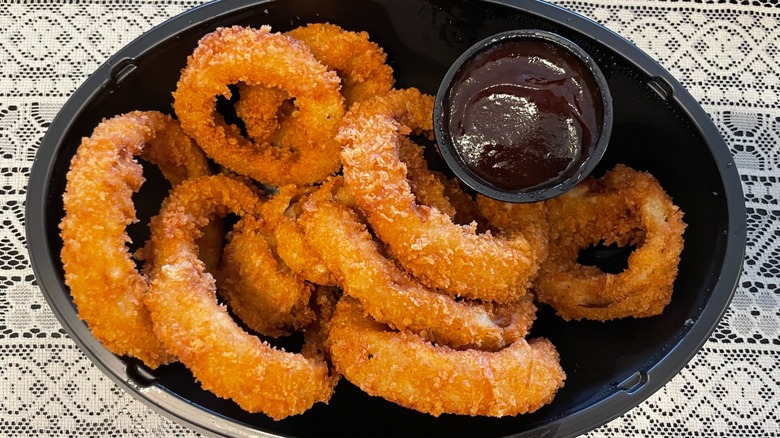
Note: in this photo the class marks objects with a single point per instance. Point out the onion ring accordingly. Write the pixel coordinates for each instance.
(435, 189)
(528, 219)
(427, 186)
(103, 280)
(407, 370)
(359, 62)
(187, 318)
(261, 290)
(425, 241)
(259, 57)
(288, 238)
(391, 296)
(625, 207)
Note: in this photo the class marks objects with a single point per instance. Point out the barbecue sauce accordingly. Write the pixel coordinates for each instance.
(523, 112)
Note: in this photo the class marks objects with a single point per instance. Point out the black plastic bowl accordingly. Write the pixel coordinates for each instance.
(611, 367)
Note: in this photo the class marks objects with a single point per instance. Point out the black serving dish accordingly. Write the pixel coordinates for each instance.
(611, 367)
(579, 169)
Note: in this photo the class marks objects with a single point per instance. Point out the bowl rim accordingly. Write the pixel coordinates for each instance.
(174, 407)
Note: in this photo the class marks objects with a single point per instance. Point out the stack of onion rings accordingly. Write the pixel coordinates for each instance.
(408, 286)
(288, 239)
(360, 63)
(260, 289)
(389, 295)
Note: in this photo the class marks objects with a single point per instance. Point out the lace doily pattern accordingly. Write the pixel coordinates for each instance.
(724, 391)
(754, 138)
(51, 46)
(51, 389)
(47, 386)
(726, 53)
(721, 55)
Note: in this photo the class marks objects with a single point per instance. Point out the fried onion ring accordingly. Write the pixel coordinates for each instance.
(438, 252)
(427, 186)
(259, 57)
(529, 220)
(359, 62)
(625, 207)
(188, 319)
(389, 295)
(287, 237)
(407, 370)
(104, 282)
(261, 290)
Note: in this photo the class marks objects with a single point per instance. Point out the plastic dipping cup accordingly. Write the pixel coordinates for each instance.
(523, 116)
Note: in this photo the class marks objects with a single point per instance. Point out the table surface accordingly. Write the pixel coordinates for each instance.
(726, 54)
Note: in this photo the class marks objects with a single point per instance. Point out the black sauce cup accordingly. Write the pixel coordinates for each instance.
(580, 166)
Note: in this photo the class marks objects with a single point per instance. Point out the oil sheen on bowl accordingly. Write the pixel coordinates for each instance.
(523, 115)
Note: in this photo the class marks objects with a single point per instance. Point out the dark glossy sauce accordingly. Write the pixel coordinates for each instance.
(523, 112)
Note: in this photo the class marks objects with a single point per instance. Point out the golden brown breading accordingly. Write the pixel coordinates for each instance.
(188, 319)
(425, 241)
(389, 295)
(105, 285)
(405, 369)
(259, 57)
(625, 207)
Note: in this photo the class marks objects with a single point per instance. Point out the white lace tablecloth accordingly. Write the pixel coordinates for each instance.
(727, 54)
